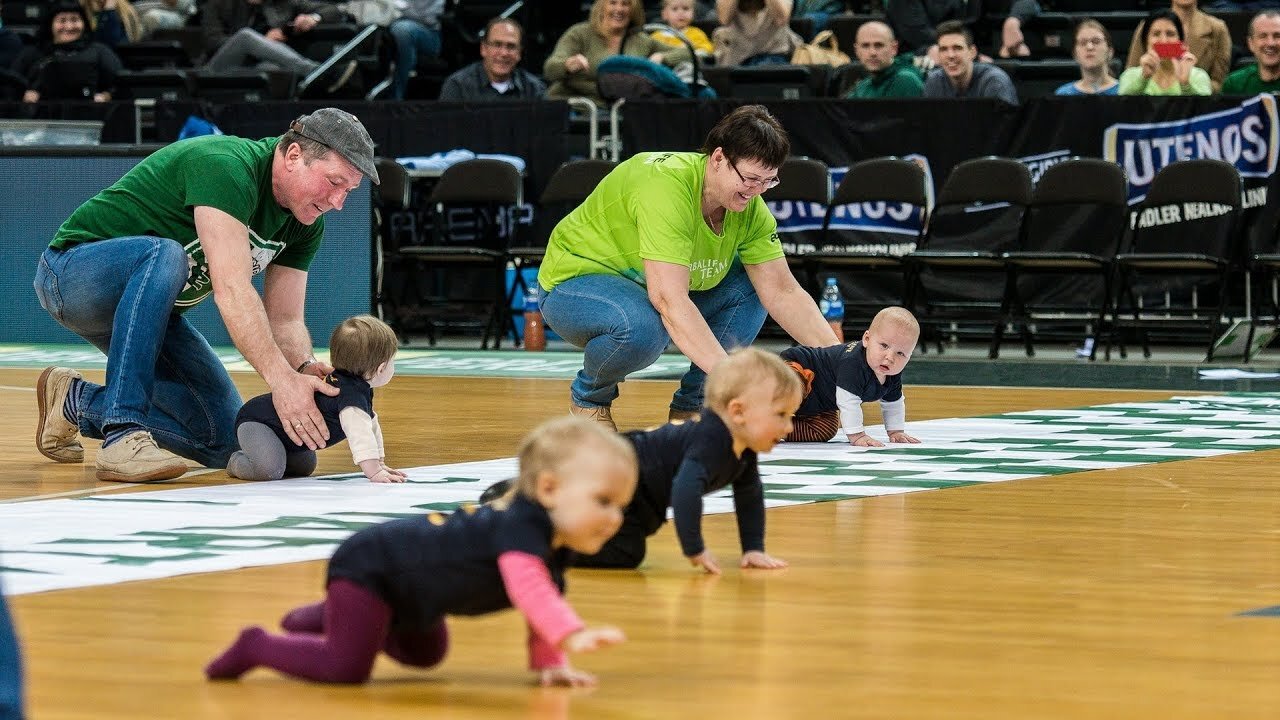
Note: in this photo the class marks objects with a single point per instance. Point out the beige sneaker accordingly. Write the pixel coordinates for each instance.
(600, 413)
(136, 458)
(678, 416)
(56, 438)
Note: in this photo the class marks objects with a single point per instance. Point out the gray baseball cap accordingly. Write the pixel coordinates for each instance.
(342, 132)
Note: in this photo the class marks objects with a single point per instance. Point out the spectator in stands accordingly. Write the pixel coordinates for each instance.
(614, 28)
(112, 22)
(1012, 42)
(754, 32)
(164, 14)
(702, 10)
(959, 75)
(1093, 52)
(679, 15)
(495, 76)
(257, 31)
(1264, 43)
(416, 32)
(888, 75)
(915, 22)
(1164, 76)
(65, 64)
(818, 12)
(1206, 36)
(10, 47)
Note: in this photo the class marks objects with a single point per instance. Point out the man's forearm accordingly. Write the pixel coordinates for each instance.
(293, 340)
(246, 322)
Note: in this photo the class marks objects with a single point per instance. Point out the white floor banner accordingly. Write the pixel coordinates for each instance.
(63, 543)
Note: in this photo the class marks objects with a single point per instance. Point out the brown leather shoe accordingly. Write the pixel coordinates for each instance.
(674, 415)
(599, 413)
(56, 438)
(136, 458)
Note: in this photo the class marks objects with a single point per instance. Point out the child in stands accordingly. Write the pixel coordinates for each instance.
(390, 586)
(679, 15)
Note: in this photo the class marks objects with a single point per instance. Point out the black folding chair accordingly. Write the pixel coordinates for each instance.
(887, 180)
(492, 190)
(801, 180)
(393, 228)
(1263, 277)
(569, 185)
(1178, 250)
(1073, 230)
(957, 276)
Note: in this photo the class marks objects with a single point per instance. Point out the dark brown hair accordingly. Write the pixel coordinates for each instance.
(750, 133)
(955, 27)
(361, 344)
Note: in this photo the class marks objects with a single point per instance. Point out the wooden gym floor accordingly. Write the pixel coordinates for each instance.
(1106, 594)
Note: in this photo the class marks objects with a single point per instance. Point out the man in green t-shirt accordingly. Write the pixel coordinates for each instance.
(1264, 43)
(888, 75)
(198, 217)
(675, 247)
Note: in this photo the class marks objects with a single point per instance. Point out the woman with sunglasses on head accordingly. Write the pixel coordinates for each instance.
(676, 247)
(1093, 53)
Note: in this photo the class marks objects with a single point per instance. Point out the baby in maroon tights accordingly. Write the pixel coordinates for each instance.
(391, 585)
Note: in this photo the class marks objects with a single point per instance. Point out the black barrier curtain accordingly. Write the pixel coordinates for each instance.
(946, 132)
(534, 131)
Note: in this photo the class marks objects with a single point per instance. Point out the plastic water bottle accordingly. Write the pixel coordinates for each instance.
(535, 332)
(832, 307)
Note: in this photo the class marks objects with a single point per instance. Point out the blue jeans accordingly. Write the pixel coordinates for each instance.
(412, 37)
(611, 318)
(161, 373)
(10, 668)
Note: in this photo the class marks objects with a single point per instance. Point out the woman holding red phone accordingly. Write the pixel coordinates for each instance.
(1206, 37)
(1168, 67)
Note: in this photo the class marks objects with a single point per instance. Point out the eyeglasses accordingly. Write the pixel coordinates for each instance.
(1087, 42)
(508, 46)
(766, 183)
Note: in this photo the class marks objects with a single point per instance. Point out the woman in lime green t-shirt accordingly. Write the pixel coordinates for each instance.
(676, 247)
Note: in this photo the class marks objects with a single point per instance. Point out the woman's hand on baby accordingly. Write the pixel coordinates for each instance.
(706, 561)
(762, 560)
(566, 677)
(901, 436)
(592, 638)
(864, 440)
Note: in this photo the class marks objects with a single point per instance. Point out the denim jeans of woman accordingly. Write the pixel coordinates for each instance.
(161, 372)
(612, 320)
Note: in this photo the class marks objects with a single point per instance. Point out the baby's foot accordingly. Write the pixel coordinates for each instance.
(238, 659)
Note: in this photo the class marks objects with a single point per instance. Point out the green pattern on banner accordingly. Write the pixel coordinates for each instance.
(436, 363)
(63, 543)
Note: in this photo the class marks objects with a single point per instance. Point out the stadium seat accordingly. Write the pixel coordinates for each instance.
(802, 180)
(957, 275)
(489, 188)
(1073, 229)
(876, 182)
(1173, 255)
(569, 185)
